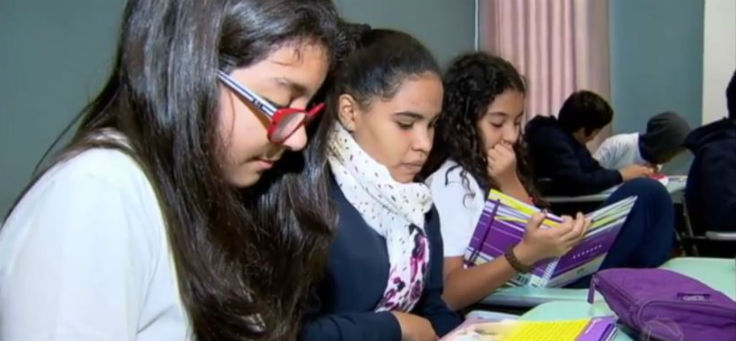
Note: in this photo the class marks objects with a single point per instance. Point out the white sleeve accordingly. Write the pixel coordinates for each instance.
(80, 265)
(459, 211)
(608, 153)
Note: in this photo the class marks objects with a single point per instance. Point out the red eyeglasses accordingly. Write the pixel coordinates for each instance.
(284, 121)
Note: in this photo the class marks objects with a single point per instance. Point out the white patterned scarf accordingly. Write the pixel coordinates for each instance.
(395, 210)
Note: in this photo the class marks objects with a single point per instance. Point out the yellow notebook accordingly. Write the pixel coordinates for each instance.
(588, 329)
(541, 330)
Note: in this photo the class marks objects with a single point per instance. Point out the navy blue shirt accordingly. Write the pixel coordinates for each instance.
(711, 184)
(562, 165)
(342, 306)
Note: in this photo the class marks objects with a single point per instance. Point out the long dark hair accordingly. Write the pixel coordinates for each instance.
(245, 258)
(379, 61)
(472, 83)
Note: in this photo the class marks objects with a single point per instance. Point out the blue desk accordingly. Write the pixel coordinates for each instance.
(525, 297)
(718, 273)
(700, 268)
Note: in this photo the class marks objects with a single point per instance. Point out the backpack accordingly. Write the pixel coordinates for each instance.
(665, 305)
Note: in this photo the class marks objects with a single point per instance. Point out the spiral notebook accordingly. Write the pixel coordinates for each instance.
(502, 225)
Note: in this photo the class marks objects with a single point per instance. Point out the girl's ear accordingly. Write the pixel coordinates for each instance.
(347, 111)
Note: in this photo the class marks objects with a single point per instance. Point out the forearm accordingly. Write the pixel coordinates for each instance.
(464, 287)
(351, 326)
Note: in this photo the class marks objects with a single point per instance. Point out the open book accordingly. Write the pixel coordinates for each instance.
(502, 226)
(588, 329)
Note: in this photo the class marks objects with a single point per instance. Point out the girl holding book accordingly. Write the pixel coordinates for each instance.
(384, 275)
(175, 212)
(478, 148)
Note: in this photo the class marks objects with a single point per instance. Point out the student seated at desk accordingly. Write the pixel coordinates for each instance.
(161, 220)
(711, 184)
(384, 274)
(478, 147)
(563, 166)
(663, 141)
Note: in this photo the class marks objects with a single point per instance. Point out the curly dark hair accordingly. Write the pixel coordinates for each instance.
(472, 83)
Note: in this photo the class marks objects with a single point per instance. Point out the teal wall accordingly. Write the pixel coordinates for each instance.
(54, 55)
(656, 63)
(447, 27)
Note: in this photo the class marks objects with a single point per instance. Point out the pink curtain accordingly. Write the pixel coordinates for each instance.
(560, 46)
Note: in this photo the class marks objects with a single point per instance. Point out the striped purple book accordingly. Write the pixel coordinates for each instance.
(502, 226)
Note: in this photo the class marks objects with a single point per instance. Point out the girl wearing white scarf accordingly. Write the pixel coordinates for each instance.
(393, 209)
(376, 135)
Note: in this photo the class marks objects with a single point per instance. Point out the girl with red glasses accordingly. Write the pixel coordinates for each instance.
(174, 212)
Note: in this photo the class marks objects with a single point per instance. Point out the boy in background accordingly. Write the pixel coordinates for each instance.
(662, 141)
(562, 163)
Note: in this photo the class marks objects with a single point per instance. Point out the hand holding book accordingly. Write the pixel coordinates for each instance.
(503, 226)
(541, 243)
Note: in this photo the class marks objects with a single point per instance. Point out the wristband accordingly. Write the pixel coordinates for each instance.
(515, 263)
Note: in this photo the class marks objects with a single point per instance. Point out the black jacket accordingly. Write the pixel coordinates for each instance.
(562, 165)
(711, 184)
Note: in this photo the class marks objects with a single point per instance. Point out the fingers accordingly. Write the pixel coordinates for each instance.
(578, 233)
(536, 221)
(499, 152)
(576, 230)
(505, 149)
(498, 161)
(562, 228)
(646, 171)
(504, 146)
(586, 227)
(493, 155)
(502, 149)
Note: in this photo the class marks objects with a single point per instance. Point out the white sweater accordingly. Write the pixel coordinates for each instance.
(84, 256)
(619, 151)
